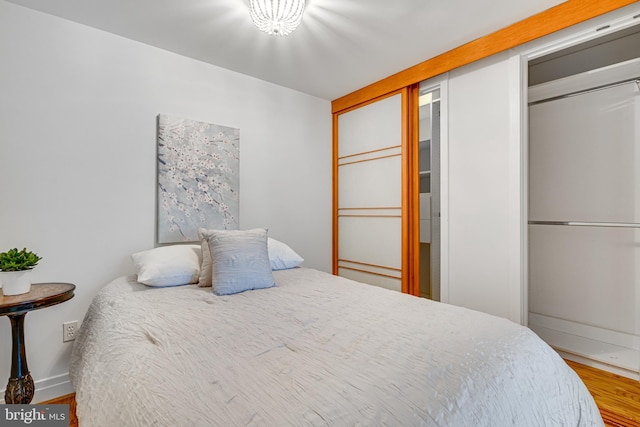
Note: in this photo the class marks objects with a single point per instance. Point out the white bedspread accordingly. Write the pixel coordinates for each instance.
(314, 350)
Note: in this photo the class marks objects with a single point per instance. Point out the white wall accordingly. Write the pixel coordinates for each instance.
(78, 113)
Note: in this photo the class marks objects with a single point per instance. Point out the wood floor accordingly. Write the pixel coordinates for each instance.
(69, 399)
(618, 398)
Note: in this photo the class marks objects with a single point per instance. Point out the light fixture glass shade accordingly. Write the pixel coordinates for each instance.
(276, 17)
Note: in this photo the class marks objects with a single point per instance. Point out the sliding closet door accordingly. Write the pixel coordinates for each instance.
(369, 211)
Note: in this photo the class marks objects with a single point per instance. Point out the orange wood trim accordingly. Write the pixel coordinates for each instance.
(368, 101)
(382, 208)
(414, 191)
(369, 216)
(369, 152)
(371, 272)
(334, 242)
(544, 23)
(370, 265)
(406, 190)
(369, 160)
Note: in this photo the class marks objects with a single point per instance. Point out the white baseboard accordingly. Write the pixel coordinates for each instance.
(612, 351)
(50, 388)
(599, 365)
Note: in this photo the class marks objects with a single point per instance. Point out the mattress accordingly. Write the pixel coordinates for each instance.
(314, 350)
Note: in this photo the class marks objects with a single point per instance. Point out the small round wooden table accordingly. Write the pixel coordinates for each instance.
(20, 387)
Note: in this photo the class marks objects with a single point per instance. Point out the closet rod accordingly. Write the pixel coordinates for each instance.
(593, 89)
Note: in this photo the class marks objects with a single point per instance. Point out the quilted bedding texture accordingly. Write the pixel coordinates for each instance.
(315, 350)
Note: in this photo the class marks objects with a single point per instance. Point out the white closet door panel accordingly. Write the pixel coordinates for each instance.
(371, 279)
(587, 275)
(372, 127)
(373, 183)
(585, 150)
(371, 240)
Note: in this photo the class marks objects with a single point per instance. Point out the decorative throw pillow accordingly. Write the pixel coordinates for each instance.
(281, 256)
(240, 260)
(168, 265)
(205, 268)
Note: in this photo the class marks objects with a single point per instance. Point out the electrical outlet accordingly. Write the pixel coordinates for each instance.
(69, 330)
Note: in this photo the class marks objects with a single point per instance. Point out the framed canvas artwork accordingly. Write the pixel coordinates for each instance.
(198, 178)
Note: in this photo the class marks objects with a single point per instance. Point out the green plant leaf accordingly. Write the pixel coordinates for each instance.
(15, 260)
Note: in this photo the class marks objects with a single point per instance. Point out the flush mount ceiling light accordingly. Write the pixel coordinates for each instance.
(276, 17)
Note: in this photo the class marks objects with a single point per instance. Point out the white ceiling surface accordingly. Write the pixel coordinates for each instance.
(340, 46)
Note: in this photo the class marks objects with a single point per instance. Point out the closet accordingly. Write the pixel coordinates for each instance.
(584, 200)
(379, 234)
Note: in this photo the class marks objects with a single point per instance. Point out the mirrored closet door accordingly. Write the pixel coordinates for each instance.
(428, 154)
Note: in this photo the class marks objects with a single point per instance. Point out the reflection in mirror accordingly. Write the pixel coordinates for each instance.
(429, 171)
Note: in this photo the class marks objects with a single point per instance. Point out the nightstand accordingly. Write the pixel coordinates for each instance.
(20, 387)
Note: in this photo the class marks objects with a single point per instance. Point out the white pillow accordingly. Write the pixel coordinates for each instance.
(168, 265)
(281, 256)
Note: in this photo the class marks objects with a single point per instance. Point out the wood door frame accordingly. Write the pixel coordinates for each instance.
(406, 128)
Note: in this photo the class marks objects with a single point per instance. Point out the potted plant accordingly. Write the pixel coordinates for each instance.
(15, 269)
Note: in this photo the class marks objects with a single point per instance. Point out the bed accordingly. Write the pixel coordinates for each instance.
(317, 350)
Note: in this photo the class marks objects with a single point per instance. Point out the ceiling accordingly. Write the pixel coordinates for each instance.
(340, 46)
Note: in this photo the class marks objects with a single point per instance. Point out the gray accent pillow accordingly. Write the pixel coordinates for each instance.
(205, 267)
(240, 260)
(281, 256)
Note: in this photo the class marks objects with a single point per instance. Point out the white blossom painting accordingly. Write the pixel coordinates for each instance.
(198, 178)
